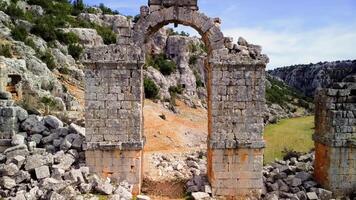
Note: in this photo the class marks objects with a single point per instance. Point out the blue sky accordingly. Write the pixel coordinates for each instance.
(290, 32)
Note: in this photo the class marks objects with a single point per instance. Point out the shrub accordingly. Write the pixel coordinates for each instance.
(67, 38)
(151, 89)
(44, 30)
(75, 50)
(49, 60)
(198, 80)
(64, 70)
(19, 33)
(162, 63)
(171, 31)
(193, 48)
(15, 12)
(136, 18)
(107, 10)
(78, 7)
(193, 60)
(5, 50)
(204, 48)
(176, 89)
(109, 37)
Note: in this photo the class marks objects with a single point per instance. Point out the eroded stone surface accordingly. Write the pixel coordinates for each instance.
(335, 137)
(236, 98)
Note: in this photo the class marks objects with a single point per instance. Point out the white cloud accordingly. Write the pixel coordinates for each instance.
(297, 47)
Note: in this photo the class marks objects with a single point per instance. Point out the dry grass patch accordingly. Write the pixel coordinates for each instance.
(293, 134)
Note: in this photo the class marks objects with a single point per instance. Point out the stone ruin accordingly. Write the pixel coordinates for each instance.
(335, 137)
(236, 99)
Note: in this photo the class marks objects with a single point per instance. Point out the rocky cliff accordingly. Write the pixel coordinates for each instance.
(307, 78)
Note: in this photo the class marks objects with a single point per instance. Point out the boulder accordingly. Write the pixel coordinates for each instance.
(77, 129)
(33, 125)
(42, 172)
(17, 139)
(104, 188)
(312, 196)
(7, 182)
(200, 196)
(37, 160)
(52, 122)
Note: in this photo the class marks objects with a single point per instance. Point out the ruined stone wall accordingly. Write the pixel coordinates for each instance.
(236, 99)
(236, 144)
(10, 115)
(335, 137)
(114, 114)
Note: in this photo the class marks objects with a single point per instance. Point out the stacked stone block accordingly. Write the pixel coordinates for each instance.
(114, 114)
(8, 117)
(236, 98)
(158, 4)
(235, 141)
(335, 137)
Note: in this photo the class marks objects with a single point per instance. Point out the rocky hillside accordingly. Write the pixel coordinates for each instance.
(307, 78)
(41, 43)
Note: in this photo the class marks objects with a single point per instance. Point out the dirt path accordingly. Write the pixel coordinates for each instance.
(177, 133)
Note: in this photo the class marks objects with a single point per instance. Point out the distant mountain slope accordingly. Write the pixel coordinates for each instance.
(307, 78)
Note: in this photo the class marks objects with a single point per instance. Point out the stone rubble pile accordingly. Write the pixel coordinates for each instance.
(284, 179)
(182, 167)
(292, 178)
(47, 161)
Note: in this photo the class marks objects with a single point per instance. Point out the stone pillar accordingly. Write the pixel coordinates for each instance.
(113, 113)
(236, 125)
(335, 137)
(8, 119)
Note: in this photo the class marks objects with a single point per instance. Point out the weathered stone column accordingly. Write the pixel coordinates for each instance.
(335, 137)
(113, 113)
(235, 141)
(8, 119)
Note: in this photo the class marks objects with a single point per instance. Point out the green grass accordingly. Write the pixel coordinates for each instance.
(294, 134)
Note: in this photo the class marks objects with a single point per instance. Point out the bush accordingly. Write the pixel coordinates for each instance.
(193, 48)
(193, 60)
(136, 18)
(78, 7)
(67, 38)
(5, 50)
(45, 30)
(198, 80)
(107, 10)
(162, 63)
(49, 60)
(204, 48)
(109, 37)
(19, 33)
(151, 89)
(13, 11)
(64, 70)
(176, 89)
(75, 50)
(171, 31)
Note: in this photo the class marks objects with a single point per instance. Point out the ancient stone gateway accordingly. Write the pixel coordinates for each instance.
(236, 99)
(335, 137)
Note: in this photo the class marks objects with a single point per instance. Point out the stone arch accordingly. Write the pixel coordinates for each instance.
(236, 98)
(150, 23)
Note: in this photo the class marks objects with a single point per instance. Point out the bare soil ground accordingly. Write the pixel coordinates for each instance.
(177, 133)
